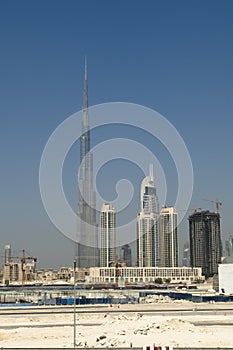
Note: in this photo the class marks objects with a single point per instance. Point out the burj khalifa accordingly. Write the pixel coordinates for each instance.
(87, 239)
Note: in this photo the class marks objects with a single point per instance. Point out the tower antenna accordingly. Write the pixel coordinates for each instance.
(151, 170)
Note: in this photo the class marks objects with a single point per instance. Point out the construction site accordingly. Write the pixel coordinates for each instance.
(18, 269)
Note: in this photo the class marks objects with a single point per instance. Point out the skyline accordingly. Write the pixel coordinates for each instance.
(173, 58)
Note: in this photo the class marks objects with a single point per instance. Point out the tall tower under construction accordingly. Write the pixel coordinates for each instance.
(87, 246)
(205, 242)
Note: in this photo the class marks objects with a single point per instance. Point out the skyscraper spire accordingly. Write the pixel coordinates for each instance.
(151, 171)
(85, 119)
(85, 90)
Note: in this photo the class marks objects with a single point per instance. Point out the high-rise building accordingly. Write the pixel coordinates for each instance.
(12, 272)
(7, 253)
(147, 226)
(205, 242)
(87, 246)
(168, 237)
(107, 235)
(126, 255)
(229, 246)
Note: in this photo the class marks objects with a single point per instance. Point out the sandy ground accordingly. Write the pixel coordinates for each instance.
(117, 328)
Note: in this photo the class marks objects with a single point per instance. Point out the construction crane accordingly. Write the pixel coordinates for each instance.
(217, 203)
(23, 260)
(117, 264)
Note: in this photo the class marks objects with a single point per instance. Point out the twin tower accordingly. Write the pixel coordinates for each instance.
(156, 230)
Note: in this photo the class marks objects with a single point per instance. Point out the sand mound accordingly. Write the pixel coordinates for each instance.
(161, 299)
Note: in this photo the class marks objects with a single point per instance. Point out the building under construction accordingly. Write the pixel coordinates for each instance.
(18, 268)
(205, 242)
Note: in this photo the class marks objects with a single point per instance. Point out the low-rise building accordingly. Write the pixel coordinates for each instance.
(47, 276)
(225, 276)
(145, 274)
(65, 273)
(82, 274)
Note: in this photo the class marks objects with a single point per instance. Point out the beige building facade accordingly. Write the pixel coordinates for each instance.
(145, 275)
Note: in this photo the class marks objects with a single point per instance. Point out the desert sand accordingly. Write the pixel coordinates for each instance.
(122, 327)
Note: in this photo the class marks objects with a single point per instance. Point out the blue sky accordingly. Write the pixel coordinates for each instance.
(172, 56)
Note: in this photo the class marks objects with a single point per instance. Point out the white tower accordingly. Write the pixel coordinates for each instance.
(147, 226)
(107, 235)
(168, 237)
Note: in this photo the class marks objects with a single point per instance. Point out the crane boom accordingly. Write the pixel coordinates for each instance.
(217, 203)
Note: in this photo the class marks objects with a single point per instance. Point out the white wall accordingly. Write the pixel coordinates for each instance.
(225, 272)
